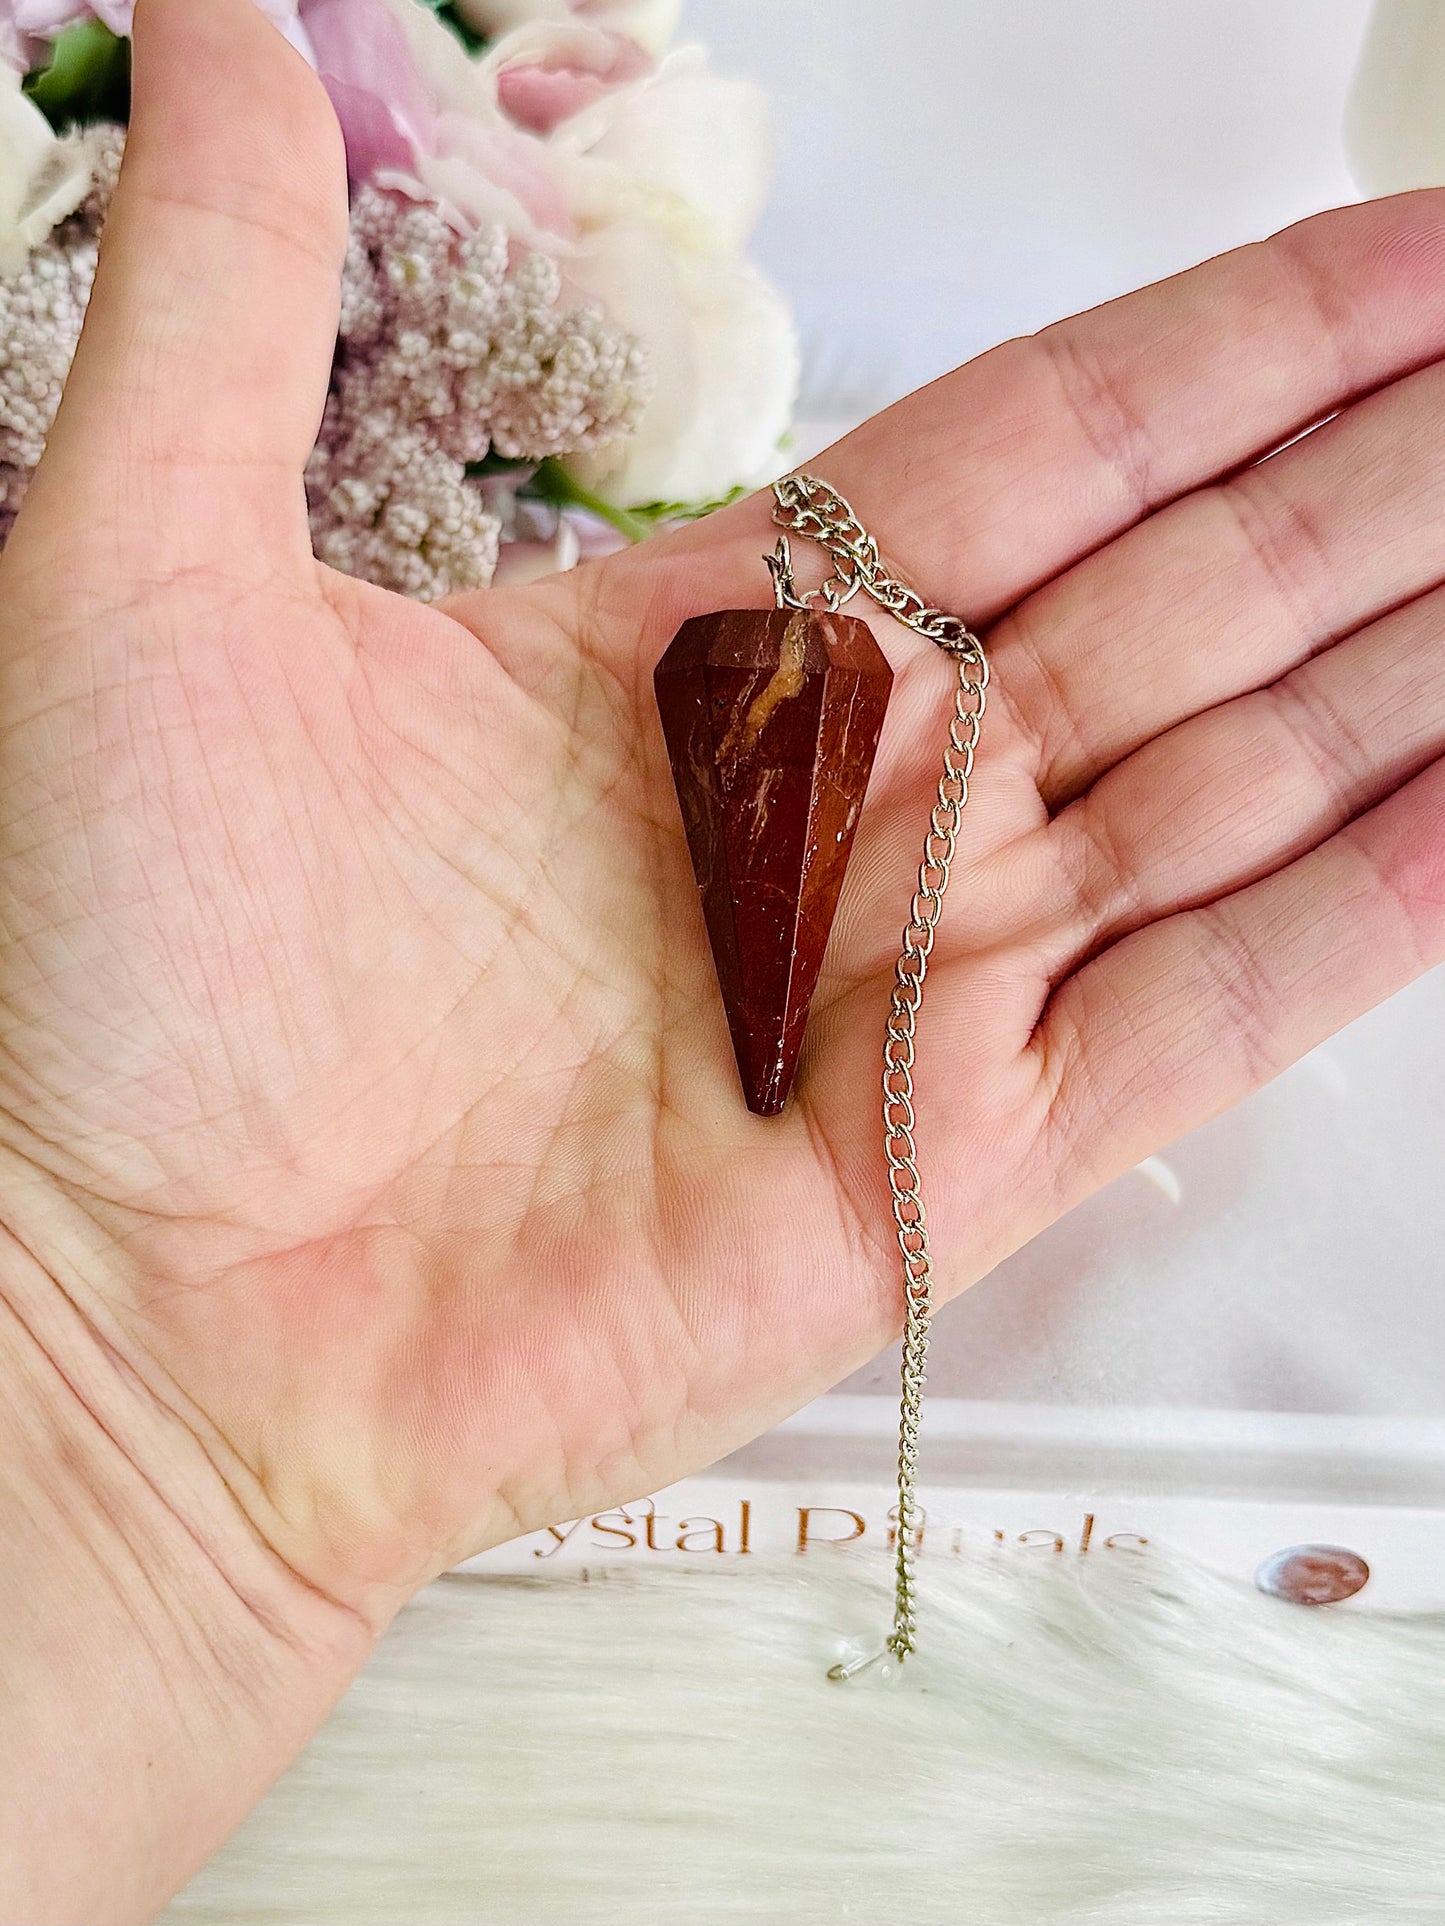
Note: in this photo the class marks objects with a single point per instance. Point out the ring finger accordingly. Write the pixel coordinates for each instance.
(1241, 791)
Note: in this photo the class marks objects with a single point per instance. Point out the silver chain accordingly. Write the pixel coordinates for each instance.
(806, 506)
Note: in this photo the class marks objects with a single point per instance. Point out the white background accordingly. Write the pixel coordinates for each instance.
(952, 171)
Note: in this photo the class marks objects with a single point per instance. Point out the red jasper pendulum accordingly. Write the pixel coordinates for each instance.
(771, 720)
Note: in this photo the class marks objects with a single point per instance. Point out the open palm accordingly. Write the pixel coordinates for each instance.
(366, 1091)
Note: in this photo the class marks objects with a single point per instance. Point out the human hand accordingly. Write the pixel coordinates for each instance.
(371, 1151)
(365, 1083)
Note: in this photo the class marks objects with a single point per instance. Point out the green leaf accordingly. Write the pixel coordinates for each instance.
(494, 464)
(446, 12)
(689, 511)
(87, 79)
(552, 483)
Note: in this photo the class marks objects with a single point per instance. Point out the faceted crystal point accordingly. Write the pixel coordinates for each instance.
(771, 721)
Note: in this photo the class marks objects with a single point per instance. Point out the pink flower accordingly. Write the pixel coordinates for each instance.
(387, 112)
(421, 116)
(556, 77)
(490, 174)
(641, 178)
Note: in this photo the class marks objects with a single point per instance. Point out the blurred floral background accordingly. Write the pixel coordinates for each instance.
(551, 336)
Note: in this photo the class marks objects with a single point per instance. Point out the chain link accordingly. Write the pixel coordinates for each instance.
(807, 506)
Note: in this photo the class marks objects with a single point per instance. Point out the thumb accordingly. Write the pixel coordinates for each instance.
(202, 370)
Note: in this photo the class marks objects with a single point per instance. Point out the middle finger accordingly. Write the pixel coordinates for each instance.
(1230, 588)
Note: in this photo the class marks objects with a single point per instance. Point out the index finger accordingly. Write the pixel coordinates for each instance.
(998, 476)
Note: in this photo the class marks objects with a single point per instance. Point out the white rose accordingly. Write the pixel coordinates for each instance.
(440, 58)
(481, 168)
(651, 23)
(642, 180)
(668, 177)
(696, 143)
(724, 356)
(42, 176)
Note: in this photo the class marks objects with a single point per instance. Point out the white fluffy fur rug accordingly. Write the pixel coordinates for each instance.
(1122, 1741)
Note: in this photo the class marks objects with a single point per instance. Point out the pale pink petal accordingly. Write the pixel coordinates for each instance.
(540, 99)
(540, 92)
(374, 141)
(387, 113)
(50, 16)
(508, 162)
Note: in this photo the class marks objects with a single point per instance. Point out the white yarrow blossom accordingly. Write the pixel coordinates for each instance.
(450, 351)
(42, 306)
(450, 354)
